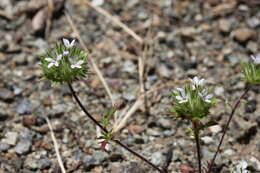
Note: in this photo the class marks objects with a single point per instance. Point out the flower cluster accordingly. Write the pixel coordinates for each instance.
(65, 63)
(241, 167)
(251, 70)
(193, 101)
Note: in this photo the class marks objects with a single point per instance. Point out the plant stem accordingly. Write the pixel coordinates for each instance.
(226, 128)
(106, 131)
(196, 134)
(138, 155)
(84, 110)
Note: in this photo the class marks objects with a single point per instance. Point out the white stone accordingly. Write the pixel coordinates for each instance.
(10, 138)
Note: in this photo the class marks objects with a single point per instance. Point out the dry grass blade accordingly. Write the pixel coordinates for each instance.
(122, 120)
(49, 18)
(94, 65)
(6, 15)
(56, 146)
(114, 20)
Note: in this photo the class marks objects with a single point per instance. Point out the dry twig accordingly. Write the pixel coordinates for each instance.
(56, 146)
(114, 20)
(49, 18)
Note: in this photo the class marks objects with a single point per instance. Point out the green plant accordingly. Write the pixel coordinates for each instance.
(193, 103)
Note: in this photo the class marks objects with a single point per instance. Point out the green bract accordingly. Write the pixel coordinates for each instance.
(251, 72)
(193, 101)
(65, 63)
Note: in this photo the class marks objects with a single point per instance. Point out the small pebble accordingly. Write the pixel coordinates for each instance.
(157, 158)
(244, 34)
(24, 107)
(6, 95)
(23, 146)
(207, 140)
(4, 147)
(11, 138)
(215, 128)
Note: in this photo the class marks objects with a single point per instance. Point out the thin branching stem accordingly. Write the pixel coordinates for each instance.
(138, 155)
(196, 135)
(226, 128)
(84, 110)
(106, 131)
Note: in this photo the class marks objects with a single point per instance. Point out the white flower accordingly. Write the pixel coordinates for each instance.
(54, 62)
(241, 167)
(65, 53)
(205, 96)
(196, 82)
(58, 57)
(256, 58)
(76, 64)
(67, 43)
(183, 97)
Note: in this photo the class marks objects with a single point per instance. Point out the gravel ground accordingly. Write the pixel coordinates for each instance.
(185, 38)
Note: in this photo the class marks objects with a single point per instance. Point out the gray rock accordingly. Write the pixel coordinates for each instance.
(24, 107)
(20, 59)
(3, 115)
(164, 123)
(100, 156)
(244, 34)
(26, 134)
(129, 66)
(10, 138)
(31, 163)
(253, 22)
(97, 2)
(158, 158)
(95, 159)
(207, 154)
(59, 109)
(129, 96)
(23, 146)
(88, 162)
(4, 147)
(224, 25)
(142, 15)
(6, 94)
(44, 163)
(17, 90)
(219, 91)
(164, 71)
(252, 46)
(207, 139)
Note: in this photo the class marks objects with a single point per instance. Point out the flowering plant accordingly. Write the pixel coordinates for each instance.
(193, 101)
(241, 167)
(251, 70)
(65, 63)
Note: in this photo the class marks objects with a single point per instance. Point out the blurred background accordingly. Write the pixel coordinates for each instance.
(161, 44)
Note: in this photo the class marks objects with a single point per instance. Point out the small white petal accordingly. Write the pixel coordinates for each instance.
(56, 63)
(180, 89)
(208, 101)
(59, 57)
(209, 96)
(50, 65)
(66, 42)
(49, 59)
(183, 101)
(80, 62)
(179, 98)
(66, 53)
(72, 43)
(72, 66)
